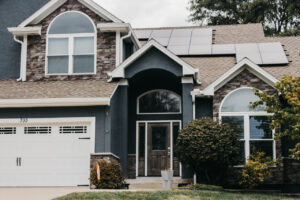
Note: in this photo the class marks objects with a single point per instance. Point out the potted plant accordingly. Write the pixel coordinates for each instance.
(167, 177)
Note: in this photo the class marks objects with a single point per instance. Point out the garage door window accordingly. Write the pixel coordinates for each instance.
(7, 130)
(37, 130)
(73, 129)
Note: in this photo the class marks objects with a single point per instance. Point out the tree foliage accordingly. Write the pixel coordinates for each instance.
(208, 147)
(284, 105)
(277, 16)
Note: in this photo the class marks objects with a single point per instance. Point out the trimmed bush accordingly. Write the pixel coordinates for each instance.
(111, 176)
(208, 147)
(255, 171)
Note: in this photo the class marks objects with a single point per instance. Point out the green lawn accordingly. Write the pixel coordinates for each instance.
(170, 195)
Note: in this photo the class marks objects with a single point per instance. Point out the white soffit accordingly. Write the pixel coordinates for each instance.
(20, 31)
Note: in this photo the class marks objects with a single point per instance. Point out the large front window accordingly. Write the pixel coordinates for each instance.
(71, 45)
(252, 125)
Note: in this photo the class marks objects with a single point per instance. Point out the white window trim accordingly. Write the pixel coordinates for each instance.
(162, 113)
(71, 54)
(246, 116)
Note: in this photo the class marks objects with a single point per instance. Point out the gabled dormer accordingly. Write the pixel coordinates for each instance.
(71, 40)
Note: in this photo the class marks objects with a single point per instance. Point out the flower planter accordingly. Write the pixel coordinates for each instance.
(167, 177)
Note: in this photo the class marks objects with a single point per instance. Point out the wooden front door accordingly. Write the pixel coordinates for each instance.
(158, 148)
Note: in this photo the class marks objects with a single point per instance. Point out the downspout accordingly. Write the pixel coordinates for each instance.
(23, 57)
(194, 117)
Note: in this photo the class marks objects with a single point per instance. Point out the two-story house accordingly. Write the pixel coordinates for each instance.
(84, 85)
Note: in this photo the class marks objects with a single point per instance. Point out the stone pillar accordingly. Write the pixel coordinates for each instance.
(108, 157)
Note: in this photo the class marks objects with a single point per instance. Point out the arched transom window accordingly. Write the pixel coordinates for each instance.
(71, 45)
(253, 125)
(159, 102)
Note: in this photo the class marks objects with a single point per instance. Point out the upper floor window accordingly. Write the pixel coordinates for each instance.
(252, 125)
(71, 45)
(159, 102)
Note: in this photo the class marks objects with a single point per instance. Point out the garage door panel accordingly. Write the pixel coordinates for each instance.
(57, 155)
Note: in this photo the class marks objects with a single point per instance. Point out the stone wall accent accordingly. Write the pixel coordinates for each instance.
(131, 166)
(106, 48)
(244, 79)
(110, 158)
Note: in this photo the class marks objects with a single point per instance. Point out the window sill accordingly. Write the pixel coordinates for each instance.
(81, 74)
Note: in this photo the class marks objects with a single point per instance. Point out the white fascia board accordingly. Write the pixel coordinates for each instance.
(54, 102)
(43, 12)
(52, 5)
(20, 31)
(233, 72)
(100, 10)
(112, 27)
(119, 72)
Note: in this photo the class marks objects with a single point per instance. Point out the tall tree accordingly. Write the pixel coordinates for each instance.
(277, 16)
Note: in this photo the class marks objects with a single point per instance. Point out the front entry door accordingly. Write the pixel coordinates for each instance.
(158, 148)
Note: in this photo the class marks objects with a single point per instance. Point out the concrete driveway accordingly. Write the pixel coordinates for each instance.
(38, 193)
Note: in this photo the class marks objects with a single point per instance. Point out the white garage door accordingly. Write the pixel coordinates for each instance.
(45, 154)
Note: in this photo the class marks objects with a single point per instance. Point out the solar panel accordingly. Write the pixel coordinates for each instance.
(179, 50)
(143, 34)
(161, 33)
(201, 36)
(250, 51)
(223, 49)
(182, 33)
(272, 53)
(162, 41)
(200, 50)
(175, 41)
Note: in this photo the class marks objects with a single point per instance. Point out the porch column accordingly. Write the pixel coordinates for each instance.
(119, 123)
(187, 101)
(187, 114)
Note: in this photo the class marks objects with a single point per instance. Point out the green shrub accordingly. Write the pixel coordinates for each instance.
(205, 187)
(208, 147)
(111, 176)
(255, 171)
(295, 153)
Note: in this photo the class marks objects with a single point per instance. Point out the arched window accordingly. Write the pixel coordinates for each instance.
(159, 102)
(71, 45)
(252, 125)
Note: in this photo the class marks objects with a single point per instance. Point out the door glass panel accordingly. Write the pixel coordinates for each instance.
(236, 123)
(175, 135)
(260, 127)
(142, 140)
(8, 130)
(159, 138)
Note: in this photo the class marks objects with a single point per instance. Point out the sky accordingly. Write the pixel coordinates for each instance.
(149, 13)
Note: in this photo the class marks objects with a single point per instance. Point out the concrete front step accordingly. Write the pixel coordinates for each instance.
(153, 183)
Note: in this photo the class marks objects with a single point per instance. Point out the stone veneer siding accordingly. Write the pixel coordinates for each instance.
(244, 79)
(106, 48)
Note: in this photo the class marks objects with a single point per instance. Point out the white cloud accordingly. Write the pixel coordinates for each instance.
(149, 13)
